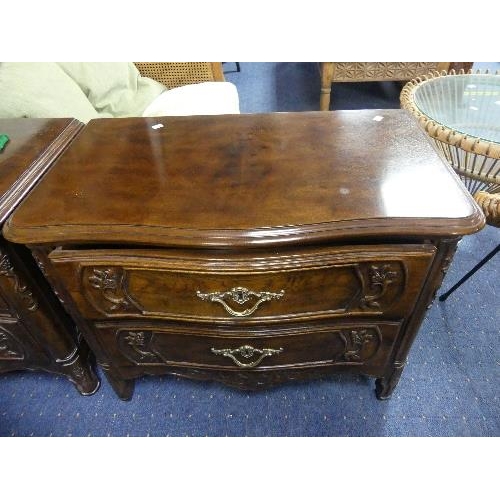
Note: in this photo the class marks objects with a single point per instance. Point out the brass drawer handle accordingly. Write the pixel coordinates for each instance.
(240, 295)
(247, 351)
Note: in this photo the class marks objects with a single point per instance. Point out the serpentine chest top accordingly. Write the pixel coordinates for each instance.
(249, 249)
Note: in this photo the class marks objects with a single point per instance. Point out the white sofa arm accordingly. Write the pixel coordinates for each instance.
(208, 98)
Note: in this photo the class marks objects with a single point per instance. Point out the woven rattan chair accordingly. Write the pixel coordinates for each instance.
(459, 113)
(176, 74)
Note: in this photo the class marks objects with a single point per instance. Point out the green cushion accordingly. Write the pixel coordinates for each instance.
(116, 88)
(41, 90)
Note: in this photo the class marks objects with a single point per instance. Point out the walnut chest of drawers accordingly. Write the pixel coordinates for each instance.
(35, 331)
(248, 249)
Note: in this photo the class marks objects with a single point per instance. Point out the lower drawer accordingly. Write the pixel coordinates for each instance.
(149, 348)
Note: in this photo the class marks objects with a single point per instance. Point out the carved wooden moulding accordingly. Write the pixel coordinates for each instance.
(11, 348)
(374, 71)
(20, 288)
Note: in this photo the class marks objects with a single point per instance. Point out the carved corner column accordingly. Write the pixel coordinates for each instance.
(385, 385)
(58, 334)
(123, 388)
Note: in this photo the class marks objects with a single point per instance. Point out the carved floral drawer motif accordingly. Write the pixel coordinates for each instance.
(337, 282)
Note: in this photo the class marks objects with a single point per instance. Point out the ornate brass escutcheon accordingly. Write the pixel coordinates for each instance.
(247, 351)
(240, 295)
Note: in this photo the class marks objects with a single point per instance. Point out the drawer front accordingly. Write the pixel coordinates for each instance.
(151, 348)
(251, 288)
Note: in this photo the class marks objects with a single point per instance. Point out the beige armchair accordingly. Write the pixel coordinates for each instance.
(376, 71)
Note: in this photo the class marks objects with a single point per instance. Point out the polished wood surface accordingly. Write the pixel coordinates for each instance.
(33, 145)
(35, 331)
(229, 181)
(250, 249)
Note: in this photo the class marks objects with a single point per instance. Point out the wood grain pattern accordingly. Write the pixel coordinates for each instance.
(34, 145)
(239, 180)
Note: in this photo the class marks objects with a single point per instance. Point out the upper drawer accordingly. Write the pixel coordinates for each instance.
(250, 287)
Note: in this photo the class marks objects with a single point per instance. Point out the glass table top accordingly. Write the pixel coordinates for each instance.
(468, 103)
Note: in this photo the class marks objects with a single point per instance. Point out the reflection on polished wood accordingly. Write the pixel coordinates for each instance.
(246, 180)
(334, 209)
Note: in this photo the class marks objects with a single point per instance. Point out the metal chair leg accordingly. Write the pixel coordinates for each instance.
(478, 266)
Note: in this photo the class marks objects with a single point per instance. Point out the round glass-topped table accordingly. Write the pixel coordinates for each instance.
(469, 104)
(461, 114)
